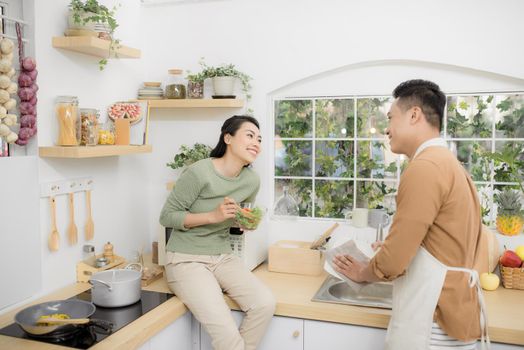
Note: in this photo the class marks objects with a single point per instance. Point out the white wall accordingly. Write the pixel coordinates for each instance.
(278, 43)
(119, 201)
(304, 48)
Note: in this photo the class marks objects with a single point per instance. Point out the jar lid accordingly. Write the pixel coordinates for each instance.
(89, 111)
(67, 99)
(175, 71)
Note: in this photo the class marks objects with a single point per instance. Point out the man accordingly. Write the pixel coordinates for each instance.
(434, 239)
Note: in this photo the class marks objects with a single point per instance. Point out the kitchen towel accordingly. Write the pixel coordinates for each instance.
(348, 248)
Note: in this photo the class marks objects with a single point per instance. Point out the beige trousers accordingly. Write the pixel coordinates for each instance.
(199, 281)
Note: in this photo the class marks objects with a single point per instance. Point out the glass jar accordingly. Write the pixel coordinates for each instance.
(106, 134)
(89, 126)
(66, 109)
(195, 89)
(175, 89)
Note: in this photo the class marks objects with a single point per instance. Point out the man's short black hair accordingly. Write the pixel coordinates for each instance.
(424, 94)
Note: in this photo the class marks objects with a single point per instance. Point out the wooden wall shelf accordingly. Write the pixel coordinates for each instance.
(93, 46)
(197, 103)
(91, 151)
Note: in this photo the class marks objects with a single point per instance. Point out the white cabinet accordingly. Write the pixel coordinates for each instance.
(335, 336)
(500, 346)
(282, 333)
(175, 336)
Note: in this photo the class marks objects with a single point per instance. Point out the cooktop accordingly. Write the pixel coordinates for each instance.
(83, 337)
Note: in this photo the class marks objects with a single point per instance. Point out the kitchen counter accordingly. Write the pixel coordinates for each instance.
(293, 294)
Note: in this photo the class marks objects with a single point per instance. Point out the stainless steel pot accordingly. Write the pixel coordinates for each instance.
(116, 288)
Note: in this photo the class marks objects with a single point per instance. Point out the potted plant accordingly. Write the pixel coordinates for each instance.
(90, 15)
(510, 216)
(195, 85)
(509, 167)
(189, 155)
(224, 77)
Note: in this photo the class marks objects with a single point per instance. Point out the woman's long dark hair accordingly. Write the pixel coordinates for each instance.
(230, 127)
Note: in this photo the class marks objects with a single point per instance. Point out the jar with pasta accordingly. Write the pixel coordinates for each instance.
(68, 118)
(89, 126)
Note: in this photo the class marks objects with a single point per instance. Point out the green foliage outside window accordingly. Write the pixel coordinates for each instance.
(334, 158)
(476, 128)
(511, 123)
(333, 198)
(469, 116)
(294, 118)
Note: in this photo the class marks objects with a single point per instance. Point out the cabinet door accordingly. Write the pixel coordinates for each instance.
(282, 333)
(205, 339)
(335, 336)
(175, 336)
(500, 346)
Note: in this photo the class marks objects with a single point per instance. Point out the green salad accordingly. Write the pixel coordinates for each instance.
(249, 218)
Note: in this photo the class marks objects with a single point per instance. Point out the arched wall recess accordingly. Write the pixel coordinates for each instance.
(379, 77)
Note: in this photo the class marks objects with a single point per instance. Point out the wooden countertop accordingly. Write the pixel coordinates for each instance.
(293, 294)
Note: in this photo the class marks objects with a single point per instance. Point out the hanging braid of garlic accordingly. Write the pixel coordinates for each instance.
(8, 120)
(27, 93)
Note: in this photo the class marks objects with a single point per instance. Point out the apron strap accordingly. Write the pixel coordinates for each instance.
(474, 281)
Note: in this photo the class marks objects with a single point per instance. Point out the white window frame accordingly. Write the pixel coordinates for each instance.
(493, 139)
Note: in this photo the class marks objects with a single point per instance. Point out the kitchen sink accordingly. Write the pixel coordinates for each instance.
(334, 290)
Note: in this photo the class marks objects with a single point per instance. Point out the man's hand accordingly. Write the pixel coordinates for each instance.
(376, 245)
(351, 268)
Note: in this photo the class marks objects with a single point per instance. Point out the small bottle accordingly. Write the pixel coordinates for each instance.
(68, 118)
(175, 89)
(108, 252)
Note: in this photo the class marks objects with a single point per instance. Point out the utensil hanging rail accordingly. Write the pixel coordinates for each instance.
(14, 20)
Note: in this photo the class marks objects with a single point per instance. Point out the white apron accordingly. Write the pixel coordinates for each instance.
(415, 298)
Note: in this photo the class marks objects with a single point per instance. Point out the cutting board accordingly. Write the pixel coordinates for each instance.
(151, 274)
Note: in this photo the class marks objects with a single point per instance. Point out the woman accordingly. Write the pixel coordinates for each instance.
(201, 209)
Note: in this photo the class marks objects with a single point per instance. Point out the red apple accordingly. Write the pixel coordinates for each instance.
(510, 259)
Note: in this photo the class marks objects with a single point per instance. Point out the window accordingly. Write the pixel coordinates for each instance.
(332, 153)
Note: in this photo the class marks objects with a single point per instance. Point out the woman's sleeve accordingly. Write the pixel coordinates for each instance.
(183, 195)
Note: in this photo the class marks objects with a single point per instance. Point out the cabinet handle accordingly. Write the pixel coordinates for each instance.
(296, 334)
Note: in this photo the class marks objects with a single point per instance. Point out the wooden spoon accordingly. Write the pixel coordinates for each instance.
(54, 237)
(53, 320)
(72, 231)
(90, 225)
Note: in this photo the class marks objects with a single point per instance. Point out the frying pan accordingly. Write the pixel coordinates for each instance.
(27, 317)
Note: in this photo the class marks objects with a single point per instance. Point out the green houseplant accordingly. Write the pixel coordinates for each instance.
(224, 77)
(189, 155)
(89, 14)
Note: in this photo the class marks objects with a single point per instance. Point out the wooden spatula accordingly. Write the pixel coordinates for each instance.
(72, 231)
(54, 236)
(90, 225)
(54, 320)
(324, 236)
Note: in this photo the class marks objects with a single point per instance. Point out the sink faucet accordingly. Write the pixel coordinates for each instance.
(379, 237)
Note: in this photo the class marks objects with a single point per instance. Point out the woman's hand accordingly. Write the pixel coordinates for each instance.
(226, 210)
(350, 267)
